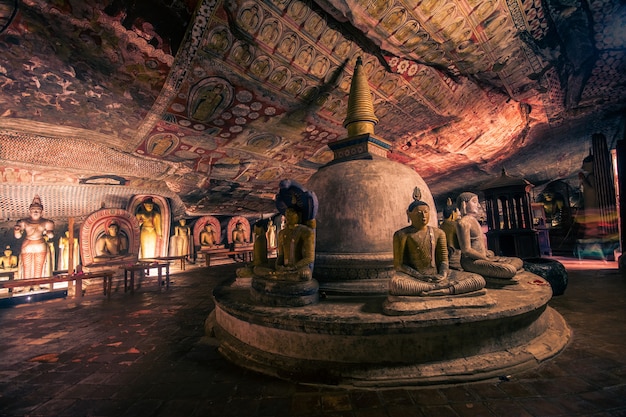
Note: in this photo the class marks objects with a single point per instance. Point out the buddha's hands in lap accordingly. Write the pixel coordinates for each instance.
(291, 273)
(426, 277)
(437, 278)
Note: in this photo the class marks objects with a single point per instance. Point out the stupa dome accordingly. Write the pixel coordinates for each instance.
(363, 198)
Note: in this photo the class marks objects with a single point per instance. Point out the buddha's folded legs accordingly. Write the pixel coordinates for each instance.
(458, 283)
(405, 285)
(488, 268)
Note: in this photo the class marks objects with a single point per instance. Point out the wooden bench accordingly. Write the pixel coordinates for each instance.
(107, 277)
(142, 267)
(247, 253)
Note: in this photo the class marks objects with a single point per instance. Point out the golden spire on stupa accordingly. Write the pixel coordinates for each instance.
(360, 118)
(361, 143)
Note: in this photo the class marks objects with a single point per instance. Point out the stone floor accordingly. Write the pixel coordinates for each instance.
(145, 355)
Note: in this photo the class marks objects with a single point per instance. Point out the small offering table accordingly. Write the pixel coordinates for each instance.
(142, 267)
(181, 258)
(246, 252)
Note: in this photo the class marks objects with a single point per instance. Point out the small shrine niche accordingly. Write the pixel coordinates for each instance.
(207, 233)
(509, 217)
(96, 227)
(154, 224)
(238, 231)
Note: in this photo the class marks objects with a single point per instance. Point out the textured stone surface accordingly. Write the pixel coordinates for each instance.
(361, 204)
(348, 340)
(93, 367)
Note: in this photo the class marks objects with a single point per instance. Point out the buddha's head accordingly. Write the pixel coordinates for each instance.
(113, 228)
(418, 213)
(467, 203)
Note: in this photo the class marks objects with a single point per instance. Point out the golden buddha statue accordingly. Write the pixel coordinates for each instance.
(111, 244)
(8, 261)
(180, 241)
(420, 257)
(151, 232)
(450, 216)
(207, 236)
(239, 235)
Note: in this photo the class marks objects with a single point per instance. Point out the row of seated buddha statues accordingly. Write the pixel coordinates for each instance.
(421, 253)
(107, 235)
(422, 261)
(207, 233)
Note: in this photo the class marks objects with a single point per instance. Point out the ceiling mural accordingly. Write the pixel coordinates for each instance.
(216, 101)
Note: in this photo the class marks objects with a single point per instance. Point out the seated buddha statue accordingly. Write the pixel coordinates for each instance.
(475, 257)
(288, 280)
(420, 257)
(239, 235)
(295, 246)
(295, 251)
(8, 261)
(208, 236)
(112, 244)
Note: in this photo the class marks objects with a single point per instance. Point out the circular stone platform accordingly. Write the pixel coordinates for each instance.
(349, 341)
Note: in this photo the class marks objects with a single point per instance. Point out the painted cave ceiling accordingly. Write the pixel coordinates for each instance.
(213, 102)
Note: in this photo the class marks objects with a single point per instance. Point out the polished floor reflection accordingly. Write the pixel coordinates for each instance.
(146, 355)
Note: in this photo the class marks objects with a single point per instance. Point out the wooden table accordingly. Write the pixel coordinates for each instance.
(182, 259)
(247, 253)
(142, 267)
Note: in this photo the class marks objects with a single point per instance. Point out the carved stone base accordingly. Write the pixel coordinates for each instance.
(348, 340)
(353, 274)
(500, 282)
(396, 305)
(281, 293)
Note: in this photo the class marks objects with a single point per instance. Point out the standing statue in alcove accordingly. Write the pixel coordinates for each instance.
(420, 258)
(64, 252)
(35, 258)
(180, 241)
(475, 257)
(151, 231)
(271, 234)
